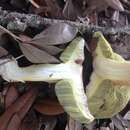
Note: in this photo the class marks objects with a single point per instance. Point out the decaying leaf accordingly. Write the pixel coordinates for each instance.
(74, 8)
(41, 48)
(36, 55)
(127, 116)
(70, 11)
(54, 9)
(17, 111)
(73, 125)
(14, 123)
(55, 34)
(48, 8)
(49, 107)
(101, 5)
(31, 122)
(119, 122)
(11, 96)
(115, 4)
(104, 128)
(53, 50)
(3, 52)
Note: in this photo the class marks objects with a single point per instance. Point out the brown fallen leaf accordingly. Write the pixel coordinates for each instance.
(35, 55)
(49, 107)
(100, 5)
(73, 125)
(24, 127)
(115, 4)
(75, 8)
(54, 8)
(3, 52)
(19, 107)
(53, 50)
(11, 96)
(35, 52)
(27, 105)
(72, 9)
(56, 34)
(14, 123)
(48, 8)
(104, 128)
(31, 122)
(42, 48)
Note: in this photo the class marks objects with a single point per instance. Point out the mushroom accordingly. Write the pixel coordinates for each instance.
(109, 88)
(67, 76)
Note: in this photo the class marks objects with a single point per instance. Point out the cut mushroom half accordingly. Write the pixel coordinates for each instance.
(109, 88)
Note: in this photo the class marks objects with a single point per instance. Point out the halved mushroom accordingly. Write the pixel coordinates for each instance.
(109, 88)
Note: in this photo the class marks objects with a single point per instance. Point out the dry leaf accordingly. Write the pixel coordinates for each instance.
(36, 55)
(20, 107)
(3, 52)
(53, 50)
(73, 125)
(55, 34)
(115, 4)
(104, 128)
(70, 11)
(49, 107)
(100, 5)
(55, 10)
(41, 48)
(31, 122)
(48, 8)
(74, 8)
(118, 122)
(11, 96)
(14, 123)
(127, 116)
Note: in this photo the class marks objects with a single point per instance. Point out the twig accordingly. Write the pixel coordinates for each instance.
(11, 34)
(34, 3)
(19, 22)
(10, 59)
